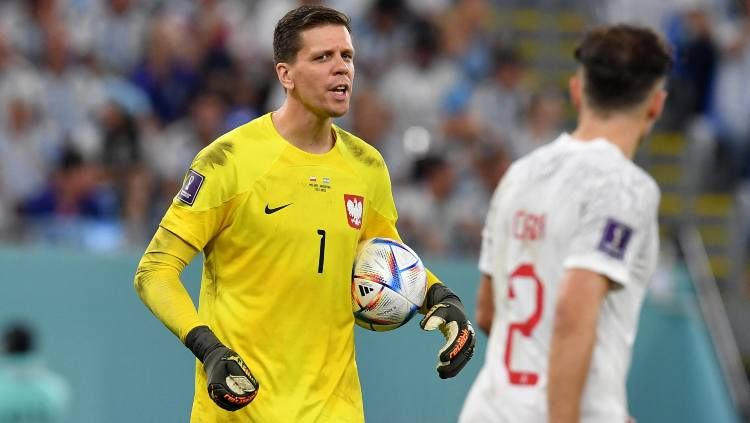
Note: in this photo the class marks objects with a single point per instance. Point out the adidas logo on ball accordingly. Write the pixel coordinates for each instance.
(364, 290)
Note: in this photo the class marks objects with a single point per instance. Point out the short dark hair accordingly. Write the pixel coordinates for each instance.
(621, 64)
(504, 56)
(427, 166)
(18, 338)
(286, 36)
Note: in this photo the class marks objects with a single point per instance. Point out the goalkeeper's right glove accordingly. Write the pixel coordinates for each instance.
(230, 384)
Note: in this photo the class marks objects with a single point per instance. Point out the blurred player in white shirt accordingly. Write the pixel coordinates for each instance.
(569, 246)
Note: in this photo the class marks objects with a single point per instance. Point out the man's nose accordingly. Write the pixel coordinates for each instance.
(341, 66)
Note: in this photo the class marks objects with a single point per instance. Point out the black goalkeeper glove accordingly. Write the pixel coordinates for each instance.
(447, 314)
(230, 384)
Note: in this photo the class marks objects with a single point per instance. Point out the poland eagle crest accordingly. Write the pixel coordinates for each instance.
(354, 208)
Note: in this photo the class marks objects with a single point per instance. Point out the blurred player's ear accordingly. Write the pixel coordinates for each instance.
(283, 72)
(654, 107)
(576, 93)
(656, 103)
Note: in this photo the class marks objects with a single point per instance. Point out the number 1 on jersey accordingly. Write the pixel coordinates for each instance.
(322, 253)
(526, 327)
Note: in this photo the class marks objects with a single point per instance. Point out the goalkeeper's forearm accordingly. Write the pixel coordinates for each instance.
(158, 284)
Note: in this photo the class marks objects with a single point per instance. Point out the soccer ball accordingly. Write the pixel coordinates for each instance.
(388, 284)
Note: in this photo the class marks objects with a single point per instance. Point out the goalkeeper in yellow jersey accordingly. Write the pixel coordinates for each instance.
(266, 203)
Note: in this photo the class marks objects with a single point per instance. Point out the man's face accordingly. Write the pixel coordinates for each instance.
(323, 71)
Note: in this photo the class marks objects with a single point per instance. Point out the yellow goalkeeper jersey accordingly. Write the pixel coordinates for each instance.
(279, 229)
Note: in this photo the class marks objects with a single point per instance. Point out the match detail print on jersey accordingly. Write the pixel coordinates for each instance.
(615, 238)
(190, 187)
(319, 184)
(354, 205)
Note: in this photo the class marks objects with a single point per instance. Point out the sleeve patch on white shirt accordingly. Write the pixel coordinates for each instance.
(615, 239)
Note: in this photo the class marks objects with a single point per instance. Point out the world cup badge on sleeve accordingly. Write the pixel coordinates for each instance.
(190, 187)
(615, 238)
(355, 206)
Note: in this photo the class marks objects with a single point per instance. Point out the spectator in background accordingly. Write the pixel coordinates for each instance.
(430, 9)
(73, 192)
(653, 14)
(465, 32)
(124, 169)
(29, 22)
(29, 392)
(732, 96)
(369, 116)
(12, 64)
(118, 35)
(181, 141)
(263, 19)
(380, 37)
(701, 56)
(25, 152)
(121, 139)
(212, 32)
(246, 98)
(26, 141)
(243, 42)
(20, 119)
(691, 81)
(72, 93)
(429, 210)
(490, 162)
(542, 122)
(499, 102)
(415, 91)
(169, 74)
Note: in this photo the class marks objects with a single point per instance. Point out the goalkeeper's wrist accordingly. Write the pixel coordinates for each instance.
(439, 293)
(201, 341)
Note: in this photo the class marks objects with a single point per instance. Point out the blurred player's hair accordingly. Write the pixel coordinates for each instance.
(286, 37)
(621, 65)
(18, 339)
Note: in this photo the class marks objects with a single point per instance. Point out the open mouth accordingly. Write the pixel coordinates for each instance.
(340, 90)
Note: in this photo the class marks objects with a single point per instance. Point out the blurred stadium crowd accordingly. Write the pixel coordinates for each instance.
(103, 103)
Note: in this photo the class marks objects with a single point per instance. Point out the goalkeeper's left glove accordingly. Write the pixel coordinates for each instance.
(447, 314)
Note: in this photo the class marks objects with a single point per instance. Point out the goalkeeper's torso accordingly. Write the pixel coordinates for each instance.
(279, 228)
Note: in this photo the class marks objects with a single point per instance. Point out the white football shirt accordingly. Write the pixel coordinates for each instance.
(569, 204)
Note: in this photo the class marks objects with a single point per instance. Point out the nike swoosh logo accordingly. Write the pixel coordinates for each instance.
(275, 209)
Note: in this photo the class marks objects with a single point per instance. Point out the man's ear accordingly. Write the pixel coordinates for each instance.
(575, 87)
(656, 103)
(284, 73)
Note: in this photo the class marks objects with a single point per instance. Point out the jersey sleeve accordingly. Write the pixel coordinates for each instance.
(204, 204)
(157, 282)
(613, 221)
